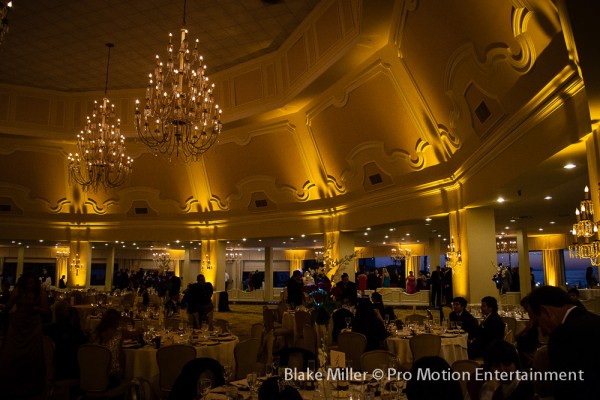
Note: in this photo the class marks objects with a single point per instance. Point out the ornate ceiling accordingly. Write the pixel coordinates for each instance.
(338, 115)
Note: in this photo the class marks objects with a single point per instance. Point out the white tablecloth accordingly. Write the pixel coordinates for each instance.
(453, 348)
(142, 362)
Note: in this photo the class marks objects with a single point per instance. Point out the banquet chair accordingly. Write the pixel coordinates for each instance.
(296, 358)
(375, 359)
(415, 319)
(424, 345)
(284, 333)
(511, 326)
(301, 318)
(256, 331)
(470, 385)
(282, 307)
(185, 386)
(309, 339)
(339, 321)
(245, 354)
(170, 360)
(94, 369)
(353, 344)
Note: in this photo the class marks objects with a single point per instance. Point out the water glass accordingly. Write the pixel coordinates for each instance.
(251, 379)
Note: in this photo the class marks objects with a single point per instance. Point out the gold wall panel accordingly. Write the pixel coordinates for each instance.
(328, 28)
(248, 87)
(32, 110)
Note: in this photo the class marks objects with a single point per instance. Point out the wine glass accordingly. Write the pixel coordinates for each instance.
(348, 321)
(387, 319)
(275, 363)
(251, 380)
(203, 387)
(458, 326)
(227, 372)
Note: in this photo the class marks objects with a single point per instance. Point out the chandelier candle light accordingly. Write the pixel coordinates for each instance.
(180, 115)
(453, 256)
(585, 232)
(400, 254)
(100, 160)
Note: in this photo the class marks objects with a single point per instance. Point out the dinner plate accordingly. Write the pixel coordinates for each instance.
(226, 339)
(449, 335)
(210, 343)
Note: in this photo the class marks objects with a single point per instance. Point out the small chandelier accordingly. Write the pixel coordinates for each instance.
(76, 264)
(400, 254)
(4, 9)
(585, 232)
(180, 115)
(162, 261)
(62, 255)
(232, 256)
(506, 246)
(100, 159)
(453, 256)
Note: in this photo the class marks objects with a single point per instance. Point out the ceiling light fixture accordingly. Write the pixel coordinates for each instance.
(400, 254)
(180, 116)
(100, 160)
(453, 255)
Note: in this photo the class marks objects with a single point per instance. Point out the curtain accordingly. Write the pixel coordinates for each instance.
(554, 268)
(412, 264)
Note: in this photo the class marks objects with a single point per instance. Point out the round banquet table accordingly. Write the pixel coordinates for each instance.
(454, 348)
(141, 363)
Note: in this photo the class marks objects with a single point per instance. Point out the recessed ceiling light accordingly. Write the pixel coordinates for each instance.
(548, 198)
(384, 243)
(503, 233)
(552, 222)
(303, 235)
(408, 234)
(392, 229)
(243, 239)
(513, 220)
(540, 229)
(366, 233)
(507, 227)
(569, 166)
(368, 229)
(177, 241)
(427, 219)
(386, 236)
(41, 240)
(500, 200)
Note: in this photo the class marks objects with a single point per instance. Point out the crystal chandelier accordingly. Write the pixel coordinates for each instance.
(400, 254)
(4, 8)
(162, 261)
(76, 264)
(453, 256)
(232, 256)
(100, 159)
(180, 115)
(585, 232)
(506, 246)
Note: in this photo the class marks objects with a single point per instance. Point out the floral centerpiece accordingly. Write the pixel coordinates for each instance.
(321, 301)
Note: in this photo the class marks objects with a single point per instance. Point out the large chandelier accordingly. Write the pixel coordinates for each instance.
(453, 255)
(4, 8)
(180, 115)
(232, 256)
(100, 159)
(506, 246)
(400, 254)
(585, 232)
(162, 261)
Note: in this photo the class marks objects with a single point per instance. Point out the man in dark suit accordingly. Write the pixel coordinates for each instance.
(295, 297)
(489, 331)
(460, 314)
(436, 287)
(572, 347)
(348, 289)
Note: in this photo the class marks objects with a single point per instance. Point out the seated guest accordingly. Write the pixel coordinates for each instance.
(276, 388)
(502, 357)
(432, 389)
(460, 314)
(489, 331)
(67, 336)
(347, 289)
(574, 295)
(339, 321)
(571, 332)
(370, 324)
(377, 300)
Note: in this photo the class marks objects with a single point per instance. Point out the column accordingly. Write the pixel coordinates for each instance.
(220, 267)
(187, 275)
(20, 262)
(269, 274)
(110, 269)
(524, 266)
(340, 245)
(208, 261)
(473, 279)
(434, 253)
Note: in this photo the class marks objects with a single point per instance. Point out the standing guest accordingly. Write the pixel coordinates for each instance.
(489, 331)
(460, 314)
(198, 300)
(574, 296)
(447, 285)
(421, 281)
(22, 374)
(347, 289)
(372, 280)
(436, 287)
(295, 296)
(362, 283)
(46, 280)
(62, 284)
(590, 278)
(369, 323)
(386, 278)
(411, 283)
(571, 332)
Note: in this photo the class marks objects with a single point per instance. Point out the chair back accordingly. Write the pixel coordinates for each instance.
(301, 318)
(425, 345)
(199, 368)
(339, 321)
(171, 360)
(353, 344)
(245, 354)
(282, 307)
(375, 359)
(470, 367)
(268, 319)
(94, 367)
(256, 331)
(415, 319)
(309, 339)
(511, 326)
(296, 358)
